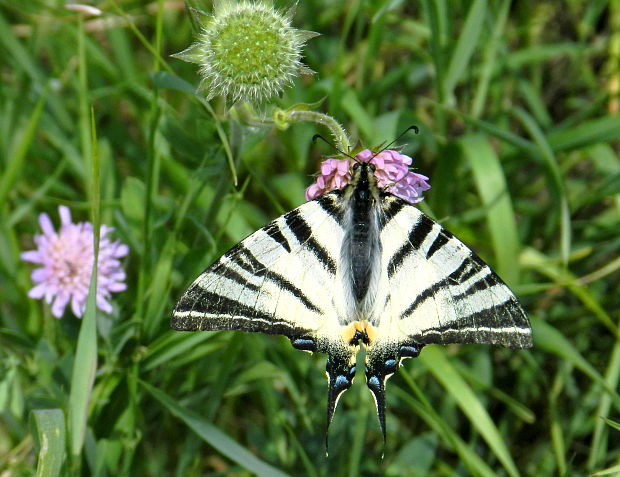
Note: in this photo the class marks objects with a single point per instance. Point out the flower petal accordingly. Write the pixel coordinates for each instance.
(38, 291)
(33, 256)
(103, 304)
(46, 224)
(364, 156)
(120, 249)
(65, 215)
(58, 307)
(77, 307)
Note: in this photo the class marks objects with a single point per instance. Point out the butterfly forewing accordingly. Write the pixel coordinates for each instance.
(440, 291)
(274, 281)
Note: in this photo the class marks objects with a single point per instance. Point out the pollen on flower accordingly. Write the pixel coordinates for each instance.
(246, 51)
(66, 259)
(391, 171)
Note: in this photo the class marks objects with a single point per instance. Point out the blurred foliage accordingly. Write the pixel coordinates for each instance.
(517, 103)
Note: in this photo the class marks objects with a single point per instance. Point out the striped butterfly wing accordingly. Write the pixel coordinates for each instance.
(272, 282)
(283, 279)
(438, 292)
(441, 292)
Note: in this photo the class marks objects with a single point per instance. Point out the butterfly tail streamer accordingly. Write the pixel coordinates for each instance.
(376, 384)
(340, 370)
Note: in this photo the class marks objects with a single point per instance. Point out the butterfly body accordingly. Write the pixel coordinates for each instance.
(356, 267)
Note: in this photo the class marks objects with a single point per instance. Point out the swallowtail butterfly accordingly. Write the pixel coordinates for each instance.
(356, 267)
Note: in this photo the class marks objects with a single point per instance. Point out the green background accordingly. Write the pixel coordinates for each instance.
(517, 105)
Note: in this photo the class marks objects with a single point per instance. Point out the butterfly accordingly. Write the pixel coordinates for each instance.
(357, 266)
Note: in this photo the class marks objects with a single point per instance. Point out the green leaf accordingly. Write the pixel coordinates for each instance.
(549, 339)
(590, 132)
(614, 424)
(615, 470)
(85, 362)
(352, 105)
(465, 46)
(171, 345)
(491, 185)
(15, 163)
(51, 440)
(557, 182)
(214, 437)
(435, 360)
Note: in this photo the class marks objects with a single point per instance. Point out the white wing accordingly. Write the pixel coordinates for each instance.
(283, 279)
(433, 289)
(277, 280)
(439, 290)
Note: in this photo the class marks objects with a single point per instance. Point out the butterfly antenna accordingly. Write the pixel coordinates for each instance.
(413, 126)
(318, 136)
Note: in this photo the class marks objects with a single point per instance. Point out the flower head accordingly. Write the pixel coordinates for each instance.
(66, 259)
(335, 174)
(246, 50)
(391, 170)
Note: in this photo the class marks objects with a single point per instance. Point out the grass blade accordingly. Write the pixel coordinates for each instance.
(548, 338)
(491, 185)
(557, 182)
(594, 131)
(436, 362)
(598, 449)
(85, 362)
(15, 163)
(50, 434)
(214, 437)
(465, 46)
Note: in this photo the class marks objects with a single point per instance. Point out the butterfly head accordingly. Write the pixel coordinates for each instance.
(363, 176)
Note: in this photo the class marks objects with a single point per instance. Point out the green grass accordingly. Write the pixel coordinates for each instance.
(517, 105)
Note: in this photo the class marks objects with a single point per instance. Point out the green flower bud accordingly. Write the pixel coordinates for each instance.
(247, 51)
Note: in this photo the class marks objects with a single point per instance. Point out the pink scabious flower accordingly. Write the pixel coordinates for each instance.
(66, 259)
(391, 170)
(335, 174)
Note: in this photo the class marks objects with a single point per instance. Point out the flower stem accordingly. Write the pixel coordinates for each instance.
(283, 117)
(338, 133)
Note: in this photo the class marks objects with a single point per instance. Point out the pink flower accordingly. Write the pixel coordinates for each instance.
(66, 257)
(391, 170)
(390, 165)
(335, 174)
(410, 187)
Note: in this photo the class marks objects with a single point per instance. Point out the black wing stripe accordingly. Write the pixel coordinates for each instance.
(510, 328)
(422, 297)
(236, 277)
(416, 237)
(198, 300)
(463, 272)
(243, 258)
(329, 204)
(273, 230)
(303, 233)
(483, 283)
(246, 260)
(390, 208)
(199, 310)
(441, 239)
(284, 284)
